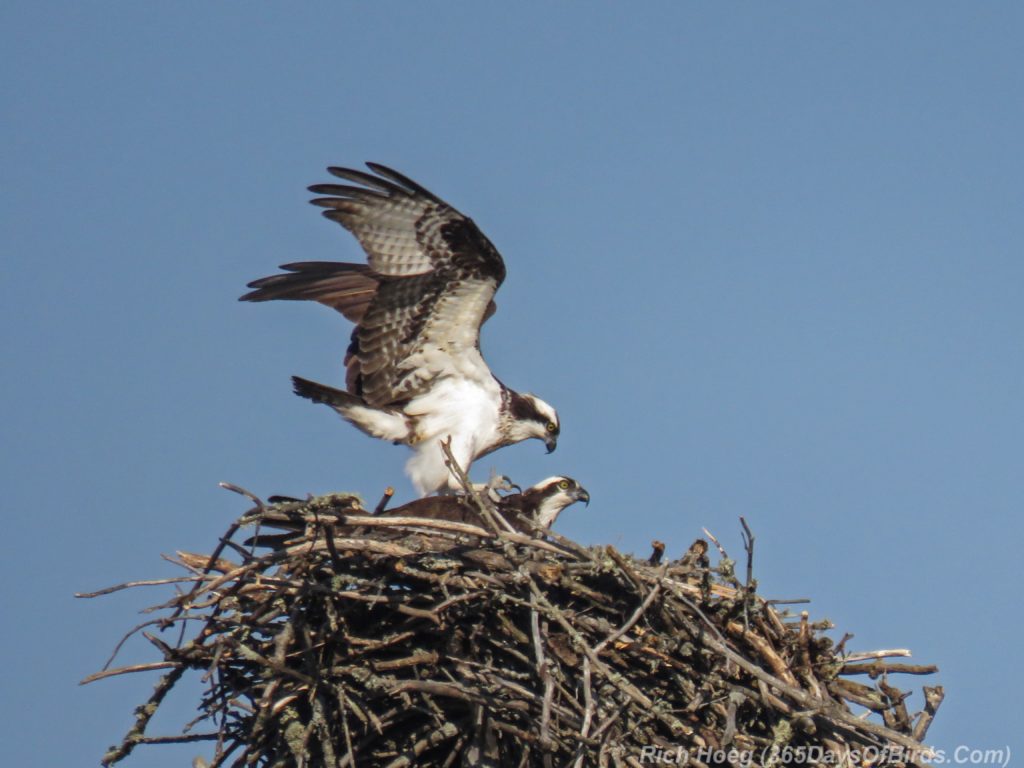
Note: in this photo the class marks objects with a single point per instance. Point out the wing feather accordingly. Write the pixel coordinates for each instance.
(348, 288)
(404, 228)
(419, 302)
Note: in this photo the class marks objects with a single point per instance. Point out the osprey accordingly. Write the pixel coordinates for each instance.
(415, 374)
(537, 506)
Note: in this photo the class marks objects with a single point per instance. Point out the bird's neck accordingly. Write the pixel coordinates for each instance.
(548, 511)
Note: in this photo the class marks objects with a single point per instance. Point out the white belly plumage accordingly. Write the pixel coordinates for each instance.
(465, 410)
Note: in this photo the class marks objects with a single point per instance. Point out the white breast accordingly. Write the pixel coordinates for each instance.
(463, 409)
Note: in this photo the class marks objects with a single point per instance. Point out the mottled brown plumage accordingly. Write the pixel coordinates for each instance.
(539, 505)
(427, 264)
(536, 507)
(414, 372)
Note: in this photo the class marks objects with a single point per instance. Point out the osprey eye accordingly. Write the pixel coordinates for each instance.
(551, 426)
(564, 485)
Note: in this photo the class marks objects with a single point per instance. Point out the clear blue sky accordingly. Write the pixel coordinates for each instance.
(765, 259)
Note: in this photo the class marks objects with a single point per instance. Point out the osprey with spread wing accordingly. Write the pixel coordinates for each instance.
(415, 374)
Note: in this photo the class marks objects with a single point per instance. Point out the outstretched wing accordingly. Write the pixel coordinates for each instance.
(419, 302)
(405, 229)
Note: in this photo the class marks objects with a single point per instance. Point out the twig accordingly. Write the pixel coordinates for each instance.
(633, 619)
(153, 665)
(142, 717)
(748, 545)
(140, 583)
(544, 675)
(384, 500)
(393, 521)
(486, 508)
(242, 492)
(657, 552)
(718, 546)
(878, 668)
(865, 655)
(933, 697)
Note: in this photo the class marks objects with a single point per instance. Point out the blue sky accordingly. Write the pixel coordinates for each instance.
(765, 259)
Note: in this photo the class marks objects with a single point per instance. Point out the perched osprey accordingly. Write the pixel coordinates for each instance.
(415, 374)
(540, 505)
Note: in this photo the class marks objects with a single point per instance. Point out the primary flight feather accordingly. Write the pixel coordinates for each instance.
(414, 372)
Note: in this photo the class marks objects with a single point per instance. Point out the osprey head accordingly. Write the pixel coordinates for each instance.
(532, 417)
(553, 495)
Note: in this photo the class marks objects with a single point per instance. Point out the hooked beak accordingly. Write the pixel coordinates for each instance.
(581, 494)
(551, 442)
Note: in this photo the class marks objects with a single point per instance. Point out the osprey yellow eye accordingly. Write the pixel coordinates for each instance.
(551, 426)
(564, 485)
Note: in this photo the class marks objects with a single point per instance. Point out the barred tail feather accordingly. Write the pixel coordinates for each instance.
(377, 422)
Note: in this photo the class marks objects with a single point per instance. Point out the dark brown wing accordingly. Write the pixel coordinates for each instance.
(348, 288)
(405, 229)
(451, 508)
(433, 275)
(517, 509)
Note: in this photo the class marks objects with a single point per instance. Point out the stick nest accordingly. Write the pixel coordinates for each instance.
(356, 640)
